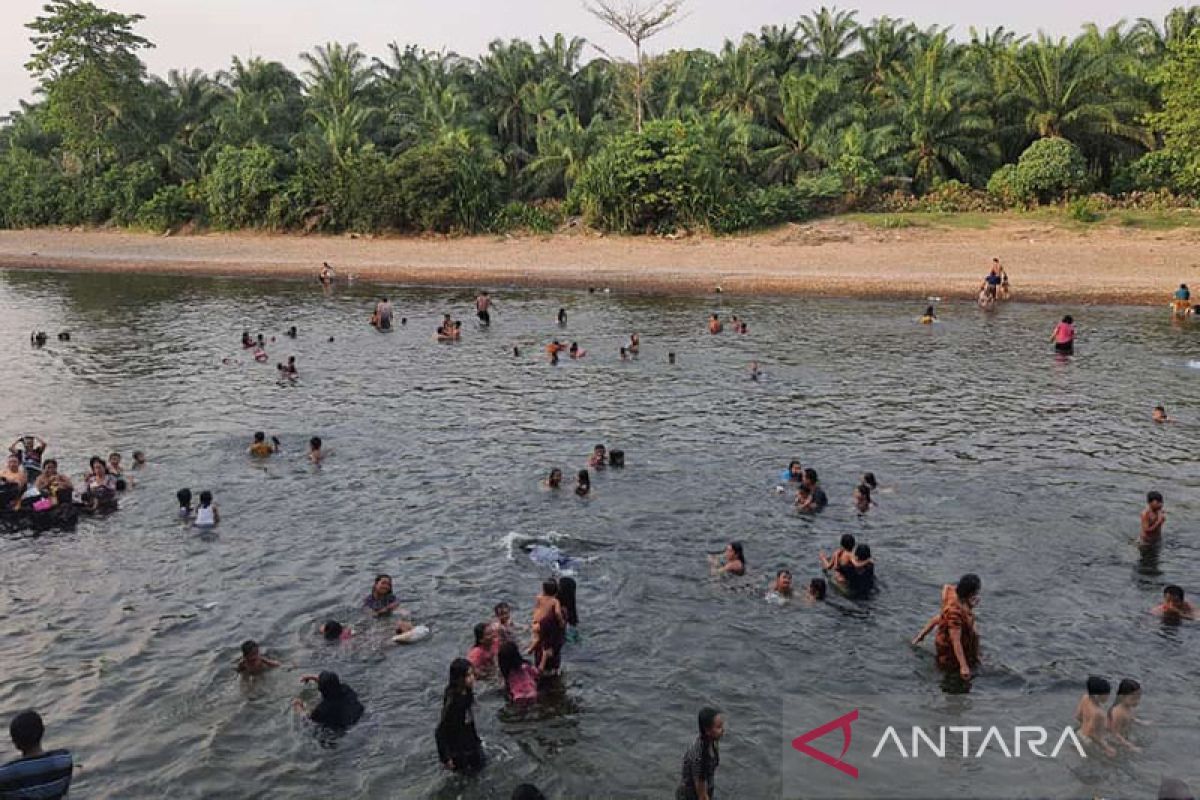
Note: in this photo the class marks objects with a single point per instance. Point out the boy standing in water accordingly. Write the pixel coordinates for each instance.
(1092, 718)
(253, 662)
(1121, 715)
(1153, 518)
(483, 308)
(260, 448)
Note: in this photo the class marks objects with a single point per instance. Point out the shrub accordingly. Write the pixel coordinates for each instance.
(1083, 209)
(451, 185)
(31, 190)
(1050, 169)
(170, 207)
(1004, 187)
(546, 217)
(242, 184)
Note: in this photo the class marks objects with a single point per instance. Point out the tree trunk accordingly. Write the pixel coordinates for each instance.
(637, 87)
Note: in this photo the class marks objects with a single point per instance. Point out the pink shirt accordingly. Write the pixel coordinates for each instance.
(1064, 333)
(480, 658)
(522, 683)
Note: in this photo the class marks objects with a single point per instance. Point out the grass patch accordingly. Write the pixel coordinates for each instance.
(1157, 220)
(921, 219)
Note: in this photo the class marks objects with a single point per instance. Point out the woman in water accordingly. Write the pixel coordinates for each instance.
(100, 488)
(1064, 336)
(635, 344)
(339, 707)
(956, 641)
(381, 601)
(862, 498)
(701, 760)
(520, 677)
(554, 479)
(483, 655)
(731, 562)
(549, 630)
(583, 483)
(816, 591)
(458, 744)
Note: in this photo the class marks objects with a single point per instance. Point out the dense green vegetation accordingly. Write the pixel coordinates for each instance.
(826, 114)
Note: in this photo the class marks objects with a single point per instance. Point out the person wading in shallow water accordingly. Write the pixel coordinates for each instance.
(957, 642)
(701, 760)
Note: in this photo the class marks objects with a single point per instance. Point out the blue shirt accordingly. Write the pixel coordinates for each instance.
(1182, 294)
(44, 777)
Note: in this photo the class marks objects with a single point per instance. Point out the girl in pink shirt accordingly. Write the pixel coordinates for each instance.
(481, 655)
(520, 677)
(1064, 336)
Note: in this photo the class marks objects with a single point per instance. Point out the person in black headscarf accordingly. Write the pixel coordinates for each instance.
(339, 707)
(458, 744)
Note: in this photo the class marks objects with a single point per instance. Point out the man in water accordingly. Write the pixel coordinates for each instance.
(260, 448)
(383, 314)
(326, 277)
(1153, 518)
(41, 774)
(1174, 607)
(991, 282)
(483, 307)
(817, 499)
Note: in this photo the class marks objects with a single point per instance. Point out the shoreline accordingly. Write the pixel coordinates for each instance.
(826, 258)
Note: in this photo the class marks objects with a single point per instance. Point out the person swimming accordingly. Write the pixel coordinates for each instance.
(862, 498)
(755, 372)
(575, 351)
(207, 515)
(184, 496)
(247, 342)
(929, 317)
(583, 483)
(731, 562)
(781, 585)
(599, 457)
(1159, 414)
(635, 344)
(554, 479)
(714, 324)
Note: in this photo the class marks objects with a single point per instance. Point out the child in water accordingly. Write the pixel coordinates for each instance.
(599, 457)
(566, 599)
(1174, 608)
(259, 448)
(334, 631)
(139, 459)
(207, 515)
(929, 317)
(583, 483)
(554, 479)
(253, 662)
(862, 498)
(520, 677)
(1160, 415)
(781, 586)
(184, 496)
(816, 591)
(483, 654)
(714, 324)
(315, 454)
(1092, 718)
(842, 557)
(1153, 518)
(1121, 715)
(502, 625)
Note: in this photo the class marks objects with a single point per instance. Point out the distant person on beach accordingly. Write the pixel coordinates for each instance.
(1064, 336)
(991, 281)
(253, 662)
(339, 708)
(38, 774)
(956, 642)
(261, 448)
(1173, 607)
(731, 562)
(1092, 716)
(483, 308)
(714, 324)
(459, 747)
(1153, 517)
(698, 776)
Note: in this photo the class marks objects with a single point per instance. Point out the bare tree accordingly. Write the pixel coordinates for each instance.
(637, 21)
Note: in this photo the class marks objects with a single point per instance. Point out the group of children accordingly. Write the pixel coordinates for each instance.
(1104, 727)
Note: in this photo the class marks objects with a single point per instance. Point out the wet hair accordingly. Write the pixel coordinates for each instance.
(481, 629)
(184, 496)
(599, 448)
(138, 455)
(502, 604)
(794, 463)
(553, 472)
(739, 552)
(26, 730)
(968, 586)
(248, 647)
(864, 492)
(816, 588)
(1160, 408)
(509, 658)
(206, 498)
(616, 458)
(1153, 496)
(460, 668)
(1069, 319)
(527, 791)
(584, 479)
(929, 311)
(868, 479)
(315, 443)
(862, 552)
(378, 578)
(383, 299)
(847, 541)
(1174, 592)
(1097, 686)
(94, 460)
(810, 475)
(50, 462)
(566, 596)
(259, 436)
(550, 587)
(332, 630)
(1128, 686)
(783, 572)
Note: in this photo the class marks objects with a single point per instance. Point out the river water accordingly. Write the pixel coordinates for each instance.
(995, 457)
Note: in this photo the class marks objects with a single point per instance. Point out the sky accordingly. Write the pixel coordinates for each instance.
(207, 33)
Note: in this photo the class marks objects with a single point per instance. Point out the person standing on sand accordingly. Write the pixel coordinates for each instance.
(483, 308)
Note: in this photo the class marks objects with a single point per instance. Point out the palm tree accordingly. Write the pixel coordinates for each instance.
(782, 46)
(828, 34)
(883, 43)
(944, 135)
(564, 146)
(1154, 41)
(424, 95)
(675, 82)
(503, 76)
(560, 56)
(337, 75)
(266, 105)
(1067, 89)
(743, 81)
(811, 110)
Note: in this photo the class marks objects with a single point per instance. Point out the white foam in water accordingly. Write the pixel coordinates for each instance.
(514, 540)
(1194, 364)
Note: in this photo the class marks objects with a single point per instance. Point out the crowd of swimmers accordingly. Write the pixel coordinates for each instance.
(497, 651)
(31, 482)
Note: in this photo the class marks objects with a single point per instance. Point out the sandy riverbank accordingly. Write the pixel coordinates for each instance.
(826, 258)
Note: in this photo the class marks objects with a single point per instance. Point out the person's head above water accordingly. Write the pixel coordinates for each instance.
(249, 648)
(383, 585)
(847, 542)
(331, 629)
(1129, 691)
(329, 684)
(783, 581)
(27, 730)
(550, 587)
(483, 634)
(1173, 593)
(461, 676)
(810, 475)
(1098, 688)
(315, 443)
(566, 597)
(259, 436)
(929, 311)
(737, 551)
(968, 588)
(711, 725)
(817, 588)
(868, 478)
(206, 499)
(863, 552)
(508, 658)
(583, 479)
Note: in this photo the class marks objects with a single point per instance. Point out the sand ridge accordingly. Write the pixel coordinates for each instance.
(828, 258)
